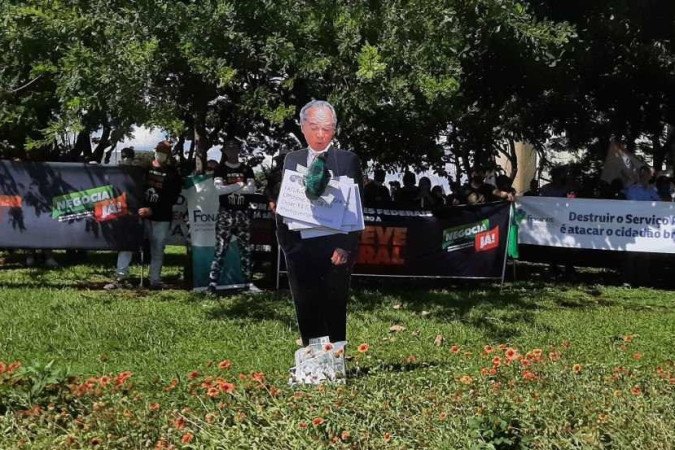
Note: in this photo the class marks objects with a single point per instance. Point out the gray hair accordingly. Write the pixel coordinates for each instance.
(320, 104)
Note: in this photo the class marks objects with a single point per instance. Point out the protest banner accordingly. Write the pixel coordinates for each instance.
(457, 242)
(69, 205)
(617, 225)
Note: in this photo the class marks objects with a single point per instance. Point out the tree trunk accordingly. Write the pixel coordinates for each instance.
(659, 151)
(102, 144)
(201, 142)
(82, 146)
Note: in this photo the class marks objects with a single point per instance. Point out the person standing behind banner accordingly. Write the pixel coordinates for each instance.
(233, 180)
(162, 187)
(319, 269)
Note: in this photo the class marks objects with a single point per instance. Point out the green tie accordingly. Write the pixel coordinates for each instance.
(317, 178)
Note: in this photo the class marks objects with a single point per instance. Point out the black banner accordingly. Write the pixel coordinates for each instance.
(462, 242)
(70, 205)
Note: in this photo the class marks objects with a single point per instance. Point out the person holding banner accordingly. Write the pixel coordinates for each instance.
(319, 268)
(163, 185)
(233, 180)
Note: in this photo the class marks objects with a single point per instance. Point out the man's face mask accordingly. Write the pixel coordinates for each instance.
(161, 157)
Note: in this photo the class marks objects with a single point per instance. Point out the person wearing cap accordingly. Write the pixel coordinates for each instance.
(162, 187)
(319, 269)
(233, 181)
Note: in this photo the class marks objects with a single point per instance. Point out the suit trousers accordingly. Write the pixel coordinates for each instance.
(320, 290)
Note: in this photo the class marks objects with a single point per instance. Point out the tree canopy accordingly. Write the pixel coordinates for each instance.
(414, 82)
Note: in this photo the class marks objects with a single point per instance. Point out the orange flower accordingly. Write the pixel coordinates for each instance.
(577, 368)
(529, 376)
(496, 361)
(258, 376)
(628, 338)
(454, 348)
(192, 375)
(442, 416)
(525, 362)
(171, 385)
(318, 421)
(536, 353)
(123, 377)
(637, 356)
(493, 371)
(210, 418)
(225, 364)
(387, 437)
(635, 390)
(213, 392)
(104, 381)
(339, 352)
(13, 366)
(154, 406)
(554, 356)
(345, 435)
(363, 348)
(226, 387)
(465, 379)
(302, 425)
(511, 354)
(179, 423)
(187, 438)
(484, 371)
(327, 347)
(488, 349)
(3, 367)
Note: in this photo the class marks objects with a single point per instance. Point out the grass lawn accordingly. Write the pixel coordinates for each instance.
(526, 365)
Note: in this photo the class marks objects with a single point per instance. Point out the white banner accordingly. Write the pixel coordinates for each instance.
(620, 225)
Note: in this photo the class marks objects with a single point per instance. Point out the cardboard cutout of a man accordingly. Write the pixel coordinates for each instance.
(319, 269)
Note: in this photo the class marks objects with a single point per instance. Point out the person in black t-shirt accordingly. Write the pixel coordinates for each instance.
(233, 180)
(376, 193)
(163, 185)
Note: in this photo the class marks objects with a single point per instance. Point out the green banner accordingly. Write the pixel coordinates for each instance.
(79, 204)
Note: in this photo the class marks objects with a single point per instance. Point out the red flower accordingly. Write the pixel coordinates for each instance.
(187, 438)
(345, 435)
(210, 418)
(637, 356)
(318, 421)
(484, 371)
(363, 348)
(13, 366)
(225, 364)
(302, 425)
(387, 437)
(171, 385)
(529, 376)
(511, 354)
(3, 367)
(226, 387)
(104, 381)
(327, 347)
(454, 348)
(442, 416)
(123, 377)
(95, 442)
(488, 349)
(577, 368)
(154, 406)
(496, 361)
(635, 390)
(179, 423)
(258, 376)
(192, 375)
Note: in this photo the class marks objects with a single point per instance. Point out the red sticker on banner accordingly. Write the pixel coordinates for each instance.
(111, 209)
(487, 240)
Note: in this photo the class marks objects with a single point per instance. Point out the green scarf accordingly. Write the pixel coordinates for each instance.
(317, 178)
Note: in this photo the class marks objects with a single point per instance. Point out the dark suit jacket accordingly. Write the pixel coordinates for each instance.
(339, 162)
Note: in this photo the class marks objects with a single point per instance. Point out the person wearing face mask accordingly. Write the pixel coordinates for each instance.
(233, 180)
(162, 188)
